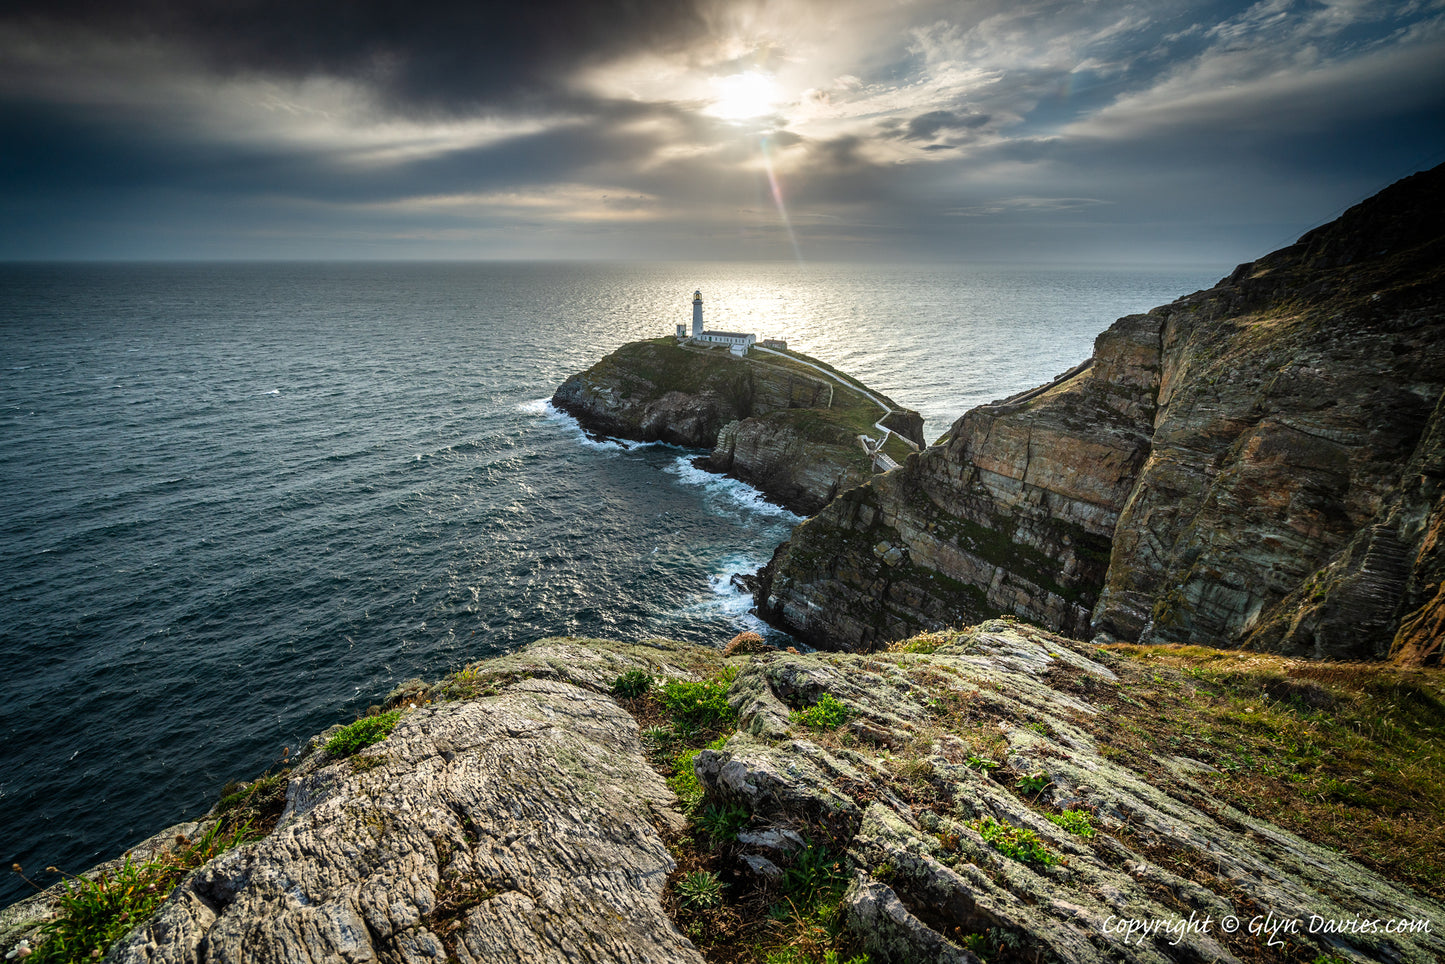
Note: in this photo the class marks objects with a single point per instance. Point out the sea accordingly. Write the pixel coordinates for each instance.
(242, 502)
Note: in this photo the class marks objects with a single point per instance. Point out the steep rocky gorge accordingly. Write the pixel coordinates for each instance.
(771, 421)
(1258, 464)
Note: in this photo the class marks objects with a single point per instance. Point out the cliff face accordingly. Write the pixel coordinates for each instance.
(801, 465)
(1012, 513)
(769, 420)
(1283, 504)
(1253, 465)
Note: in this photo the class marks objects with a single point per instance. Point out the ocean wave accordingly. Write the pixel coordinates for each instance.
(543, 408)
(731, 493)
(728, 602)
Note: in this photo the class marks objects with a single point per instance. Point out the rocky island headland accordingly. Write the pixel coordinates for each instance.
(782, 422)
(1257, 465)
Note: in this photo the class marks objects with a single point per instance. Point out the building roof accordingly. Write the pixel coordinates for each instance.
(731, 334)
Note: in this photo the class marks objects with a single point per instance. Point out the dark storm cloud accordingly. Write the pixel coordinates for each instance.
(69, 152)
(448, 56)
(935, 125)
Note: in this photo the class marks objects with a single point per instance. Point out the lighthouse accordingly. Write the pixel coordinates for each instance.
(697, 313)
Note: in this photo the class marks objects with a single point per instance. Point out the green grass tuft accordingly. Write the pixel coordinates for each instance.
(365, 732)
(1033, 784)
(632, 684)
(826, 714)
(683, 781)
(816, 876)
(700, 890)
(1077, 822)
(1016, 843)
(700, 705)
(92, 914)
(722, 822)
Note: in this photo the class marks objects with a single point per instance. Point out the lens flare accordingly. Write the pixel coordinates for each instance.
(766, 150)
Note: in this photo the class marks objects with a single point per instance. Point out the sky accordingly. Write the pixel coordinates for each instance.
(1160, 132)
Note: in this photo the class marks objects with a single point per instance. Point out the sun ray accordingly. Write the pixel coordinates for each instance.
(777, 190)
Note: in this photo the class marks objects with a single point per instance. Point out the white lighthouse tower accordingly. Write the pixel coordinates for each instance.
(697, 313)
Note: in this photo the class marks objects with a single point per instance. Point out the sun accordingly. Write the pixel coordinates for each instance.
(744, 96)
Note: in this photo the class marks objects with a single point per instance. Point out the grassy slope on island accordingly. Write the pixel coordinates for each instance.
(852, 412)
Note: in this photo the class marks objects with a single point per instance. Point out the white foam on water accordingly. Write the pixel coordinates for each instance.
(727, 493)
(659, 445)
(728, 598)
(731, 603)
(543, 408)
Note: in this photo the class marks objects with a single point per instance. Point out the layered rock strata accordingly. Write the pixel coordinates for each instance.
(773, 422)
(1252, 465)
(517, 818)
(912, 792)
(1013, 512)
(517, 826)
(800, 464)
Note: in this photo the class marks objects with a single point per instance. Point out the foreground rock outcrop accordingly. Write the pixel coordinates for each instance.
(991, 730)
(770, 420)
(1256, 465)
(968, 791)
(517, 826)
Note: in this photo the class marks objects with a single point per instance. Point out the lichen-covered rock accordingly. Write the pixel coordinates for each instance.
(948, 751)
(520, 825)
(1252, 465)
(512, 815)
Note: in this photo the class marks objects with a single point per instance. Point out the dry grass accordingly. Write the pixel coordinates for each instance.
(1349, 755)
